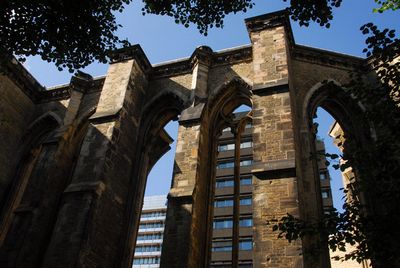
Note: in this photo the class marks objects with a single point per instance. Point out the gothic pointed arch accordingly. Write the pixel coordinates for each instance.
(339, 102)
(230, 95)
(349, 114)
(40, 130)
(217, 113)
(153, 143)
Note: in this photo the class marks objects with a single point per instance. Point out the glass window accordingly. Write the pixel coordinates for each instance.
(222, 223)
(151, 225)
(322, 176)
(150, 248)
(218, 246)
(226, 129)
(219, 203)
(228, 181)
(153, 214)
(246, 244)
(246, 144)
(325, 194)
(248, 125)
(246, 180)
(245, 201)
(246, 222)
(154, 236)
(231, 164)
(224, 182)
(226, 147)
(223, 165)
(153, 260)
(246, 162)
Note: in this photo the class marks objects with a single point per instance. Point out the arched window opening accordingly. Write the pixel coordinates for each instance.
(329, 172)
(150, 234)
(231, 243)
(32, 153)
(152, 143)
(336, 179)
(159, 178)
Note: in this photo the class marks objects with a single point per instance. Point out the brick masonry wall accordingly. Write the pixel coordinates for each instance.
(269, 55)
(275, 190)
(220, 75)
(102, 177)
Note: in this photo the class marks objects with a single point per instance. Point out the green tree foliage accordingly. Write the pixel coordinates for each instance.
(387, 5)
(70, 33)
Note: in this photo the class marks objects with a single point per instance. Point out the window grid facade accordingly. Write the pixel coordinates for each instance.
(221, 246)
(151, 232)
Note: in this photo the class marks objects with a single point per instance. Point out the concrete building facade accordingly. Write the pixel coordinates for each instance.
(151, 232)
(75, 158)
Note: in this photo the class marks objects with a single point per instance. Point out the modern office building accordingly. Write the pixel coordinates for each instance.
(151, 231)
(325, 178)
(223, 218)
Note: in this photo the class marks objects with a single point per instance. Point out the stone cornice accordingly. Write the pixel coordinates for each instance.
(172, 69)
(270, 21)
(61, 93)
(81, 82)
(267, 21)
(230, 56)
(17, 73)
(202, 54)
(64, 92)
(133, 52)
(327, 58)
(184, 66)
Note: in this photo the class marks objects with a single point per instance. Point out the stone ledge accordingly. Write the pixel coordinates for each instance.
(275, 169)
(95, 187)
(191, 114)
(267, 21)
(106, 116)
(281, 85)
(185, 197)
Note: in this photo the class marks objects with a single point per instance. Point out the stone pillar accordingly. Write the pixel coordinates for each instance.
(201, 60)
(91, 227)
(275, 185)
(35, 207)
(177, 234)
(182, 245)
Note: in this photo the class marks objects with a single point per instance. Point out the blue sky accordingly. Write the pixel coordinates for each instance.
(163, 40)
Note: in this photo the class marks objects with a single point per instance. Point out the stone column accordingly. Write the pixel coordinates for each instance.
(201, 60)
(185, 232)
(275, 183)
(177, 234)
(35, 205)
(91, 226)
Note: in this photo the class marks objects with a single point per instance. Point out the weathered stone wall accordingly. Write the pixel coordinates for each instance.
(102, 176)
(16, 114)
(220, 75)
(269, 56)
(310, 70)
(275, 185)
